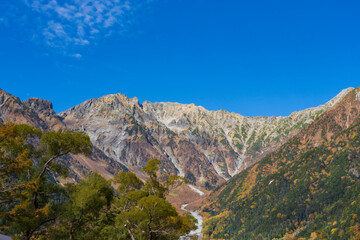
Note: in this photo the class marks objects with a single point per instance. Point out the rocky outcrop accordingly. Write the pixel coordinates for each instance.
(40, 114)
(309, 176)
(45, 111)
(12, 109)
(206, 147)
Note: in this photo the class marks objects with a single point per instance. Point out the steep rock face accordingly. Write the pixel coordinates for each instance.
(310, 183)
(40, 114)
(12, 109)
(45, 111)
(207, 147)
(121, 129)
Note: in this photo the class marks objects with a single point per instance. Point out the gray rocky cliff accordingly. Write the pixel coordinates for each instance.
(206, 147)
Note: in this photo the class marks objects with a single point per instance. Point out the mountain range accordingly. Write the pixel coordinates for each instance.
(309, 188)
(206, 147)
(294, 177)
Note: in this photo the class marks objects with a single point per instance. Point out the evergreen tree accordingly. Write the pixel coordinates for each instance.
(141, 210)
(33, 206)
(83, 212)
(27, 160)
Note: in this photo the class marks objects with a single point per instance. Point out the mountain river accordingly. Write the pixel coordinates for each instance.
(195, 214)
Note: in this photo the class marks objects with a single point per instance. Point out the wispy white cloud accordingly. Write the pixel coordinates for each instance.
(68, 25)
(79, 22)
(77, 55)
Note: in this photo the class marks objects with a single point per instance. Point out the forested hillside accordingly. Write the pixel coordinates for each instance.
(309, 188)
(34, 205)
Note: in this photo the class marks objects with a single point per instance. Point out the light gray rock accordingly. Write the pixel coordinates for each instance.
(207, 147)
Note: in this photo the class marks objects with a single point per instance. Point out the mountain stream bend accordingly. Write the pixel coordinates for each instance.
(195, 214)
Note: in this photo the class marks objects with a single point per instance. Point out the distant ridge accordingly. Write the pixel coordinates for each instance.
(307, 189)
(206, 147)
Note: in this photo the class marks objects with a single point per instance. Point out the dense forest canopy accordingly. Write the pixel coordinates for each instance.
(307, 189)
(35, 205)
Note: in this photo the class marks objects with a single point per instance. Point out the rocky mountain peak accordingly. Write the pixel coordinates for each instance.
(40, 114)
(12, 109)
(207, 147)
(338, 97)
(112, 105)
(4, 97)
(307, 172)
(119, 97)
(357, 94)
(40, 106)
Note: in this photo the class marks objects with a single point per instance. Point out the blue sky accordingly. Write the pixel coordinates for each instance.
(250, 57)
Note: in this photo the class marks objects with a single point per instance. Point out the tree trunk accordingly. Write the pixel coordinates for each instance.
(35, 196)
(71, 234)
(130, 233)
(27, 235)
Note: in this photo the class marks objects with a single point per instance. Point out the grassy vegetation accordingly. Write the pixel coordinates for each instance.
(294, 193)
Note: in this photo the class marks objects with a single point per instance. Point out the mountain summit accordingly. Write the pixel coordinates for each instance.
(206, 147)
(307, 189)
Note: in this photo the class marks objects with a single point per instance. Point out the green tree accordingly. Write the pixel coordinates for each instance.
(127, 182)
(141, 210)
(153, 186)
(33, 206)
(27, 162)
(89, 201)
